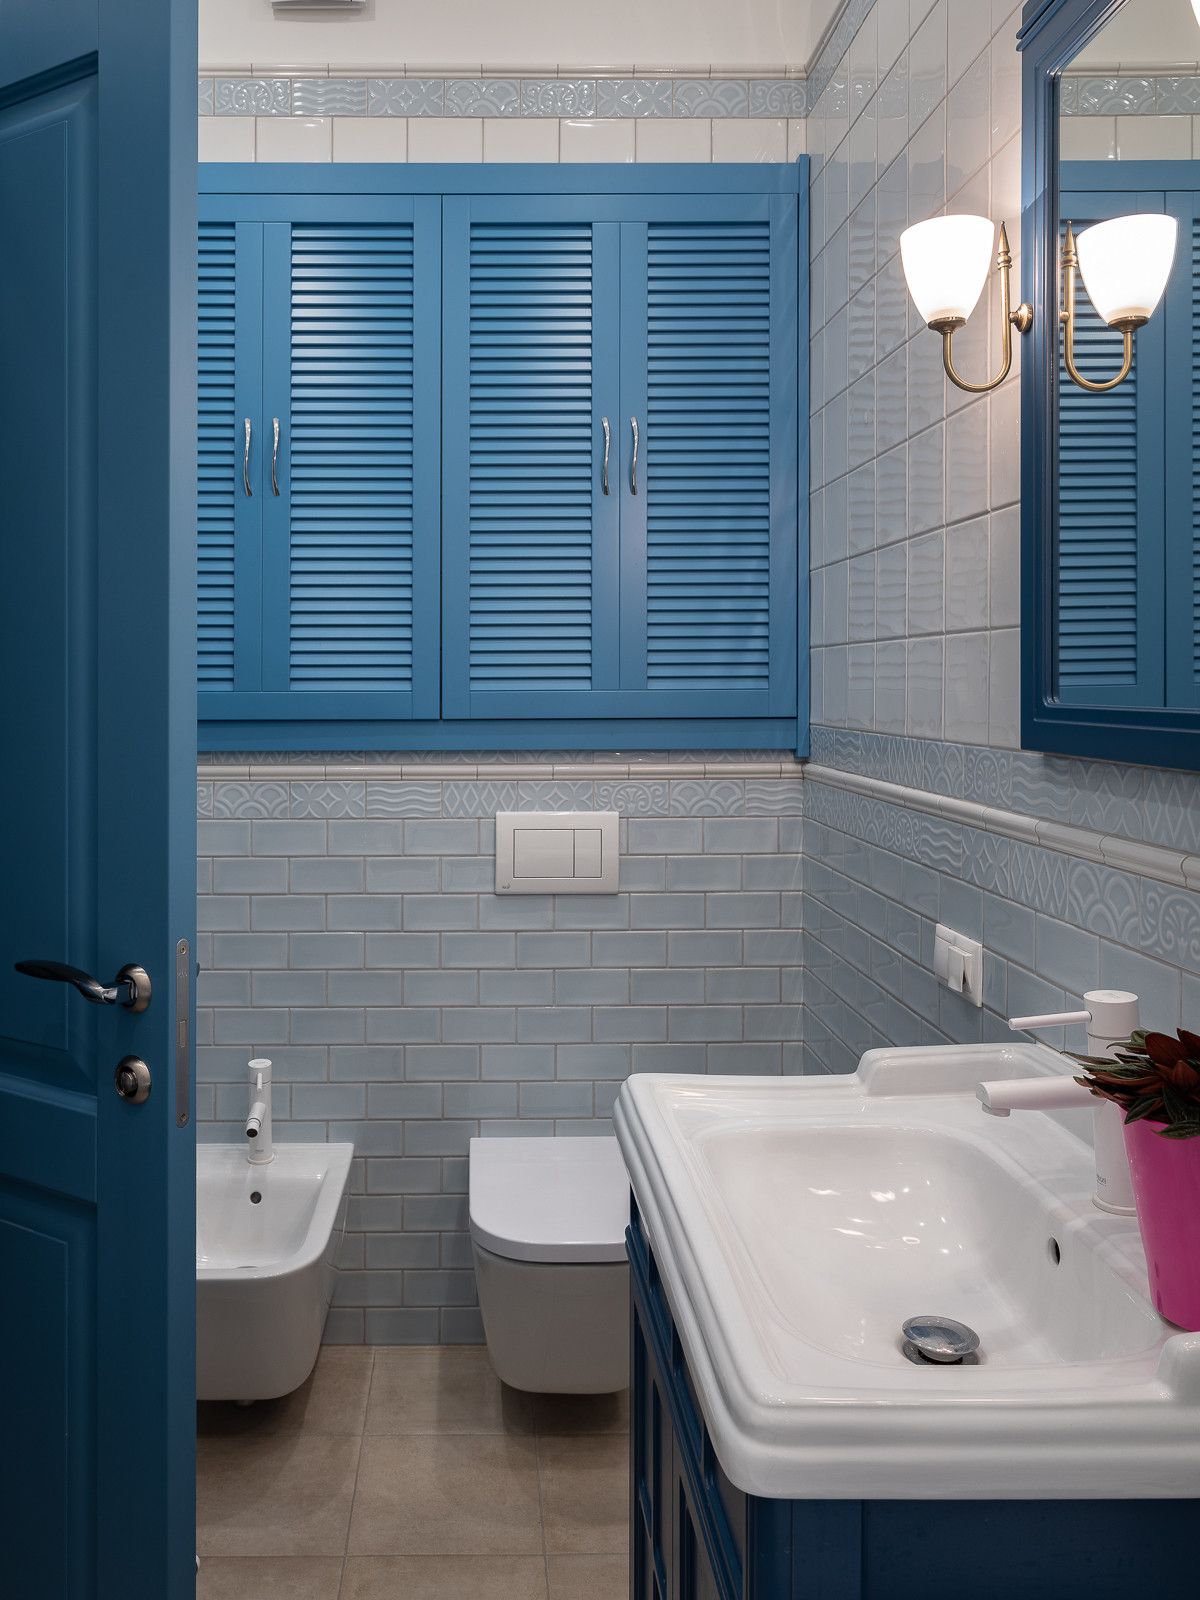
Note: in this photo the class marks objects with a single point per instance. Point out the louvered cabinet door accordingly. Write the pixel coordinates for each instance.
(1109, 574)
(709, 538)
(228, 521)
(351, 518)
(530, 539)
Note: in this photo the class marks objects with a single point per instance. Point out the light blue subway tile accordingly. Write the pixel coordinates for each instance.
(249, 875)
(479, 1025)
(322, 874)
(604, 986)
(440, 911)
(440, 1138)
(444, 837)
(223, 838)
(1066, 956)
(328, 1026)
(771, 947)
(439, 1289)
(491, 1099)
(523, 987)
(374, 1137)
(692, 872)
(460, 1325)
(740, 835)
(554, 1024)
(403, 1025)
(287, 912)
(592, 911)
(325, 949)
(592, 1060)
(401, 874)
(629, 1024)
(363, 988)
(749, 986)
(398, 1326)
(514, 1062)
(555, 950)
(404, 1100)
(667, 910)
(665, 836)
(556, 1099)
(403, 950)
(365, 838)
(478, 949)
(695, 1024)
(749, 909)
(704, 949)
(250, 950)
(219, 913)
(468, 875)
(361, 1063)
(667, 985)
(637, 873)
(288, 838)
(343, 1325)
(397, 1250)
(436, 988)
(436, 1213)
(322, 1101)
(620, 948)
(440, 1061)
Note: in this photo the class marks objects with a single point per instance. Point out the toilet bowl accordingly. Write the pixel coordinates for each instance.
(548, 1220)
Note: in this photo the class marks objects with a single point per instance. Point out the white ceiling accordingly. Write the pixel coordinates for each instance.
(1159, 34)
(519, 33)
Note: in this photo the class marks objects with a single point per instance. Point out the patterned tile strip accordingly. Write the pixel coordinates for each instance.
(237, 96)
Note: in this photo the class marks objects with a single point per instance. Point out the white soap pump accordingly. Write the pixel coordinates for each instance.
(258, 1123)
(1111, 1016)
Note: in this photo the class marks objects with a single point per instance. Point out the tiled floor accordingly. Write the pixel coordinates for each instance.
(413, 1473)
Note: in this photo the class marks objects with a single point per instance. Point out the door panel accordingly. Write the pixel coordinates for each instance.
(97, 856)
(335, 553)
(530, 538)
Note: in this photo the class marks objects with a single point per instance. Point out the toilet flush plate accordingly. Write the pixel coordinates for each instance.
(557, 852)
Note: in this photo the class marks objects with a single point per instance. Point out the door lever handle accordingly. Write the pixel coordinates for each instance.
(275, 455)
(130, 988)
(246, 464)
(633, 468)
(607, 444)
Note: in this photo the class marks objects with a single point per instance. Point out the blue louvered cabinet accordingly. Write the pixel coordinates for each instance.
(319, 527)
(620, 443)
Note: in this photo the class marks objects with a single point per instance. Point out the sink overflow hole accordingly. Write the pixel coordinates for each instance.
(1053, 1251)
(255, 1197)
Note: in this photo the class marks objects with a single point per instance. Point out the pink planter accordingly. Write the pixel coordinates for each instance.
(1166, 1184)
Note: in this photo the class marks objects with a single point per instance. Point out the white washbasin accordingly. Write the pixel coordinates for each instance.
(798, 1222)
(267, 1238)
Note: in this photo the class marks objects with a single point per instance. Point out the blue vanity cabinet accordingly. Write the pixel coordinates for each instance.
(620, 456)
(695, 1536)
(318, 516)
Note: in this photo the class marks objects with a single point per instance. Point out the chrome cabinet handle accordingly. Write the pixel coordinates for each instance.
(275, 455)
(246, 463)
(130, 988)
(607, 443)
(633, 469)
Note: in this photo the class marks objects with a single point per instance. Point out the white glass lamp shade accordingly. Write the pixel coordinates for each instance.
(946, 263)
(1125, 264)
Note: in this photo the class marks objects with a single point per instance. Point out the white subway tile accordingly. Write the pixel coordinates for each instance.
(604, 139)
(226, 138)
(445, 139)
(295, 139)
(370, 139)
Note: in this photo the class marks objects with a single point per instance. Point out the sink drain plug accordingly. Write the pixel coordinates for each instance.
(939, 1341)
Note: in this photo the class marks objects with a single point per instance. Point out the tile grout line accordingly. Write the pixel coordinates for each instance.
(362, 1436)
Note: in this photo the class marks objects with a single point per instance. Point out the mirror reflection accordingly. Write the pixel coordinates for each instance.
(1127, 548)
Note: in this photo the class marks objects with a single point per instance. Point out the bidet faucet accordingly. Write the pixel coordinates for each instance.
(1111, 1016)
(258, 1122)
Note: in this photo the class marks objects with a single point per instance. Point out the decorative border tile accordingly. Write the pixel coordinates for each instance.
(1114, 95)
(470, 96)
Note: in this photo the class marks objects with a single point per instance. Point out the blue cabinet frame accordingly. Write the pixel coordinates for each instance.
(1052, 34)
(620, 706)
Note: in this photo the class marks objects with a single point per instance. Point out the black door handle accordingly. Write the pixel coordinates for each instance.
(130, 988)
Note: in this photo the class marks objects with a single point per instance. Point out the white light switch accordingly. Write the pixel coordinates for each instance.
(557, 852)
(958, 962)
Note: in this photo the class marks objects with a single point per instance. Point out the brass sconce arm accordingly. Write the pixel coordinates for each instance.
(1066, 316)
(1021, 319)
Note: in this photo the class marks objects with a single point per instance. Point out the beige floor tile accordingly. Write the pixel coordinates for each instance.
(445, 1578)
(274, 1495)
(587, 1577)
(473, 1495)
(582, 1413)
(442, 1389)
(333, 1400)
(268, 1578)
(585, 1493)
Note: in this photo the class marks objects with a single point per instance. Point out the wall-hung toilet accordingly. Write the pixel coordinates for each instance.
(548, 1220)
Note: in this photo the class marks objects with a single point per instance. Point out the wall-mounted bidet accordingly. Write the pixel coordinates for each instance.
(1111, 1016)
(260, 1148)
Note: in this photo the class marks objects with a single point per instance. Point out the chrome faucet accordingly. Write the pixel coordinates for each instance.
(1111, 1016)
(258, 1122)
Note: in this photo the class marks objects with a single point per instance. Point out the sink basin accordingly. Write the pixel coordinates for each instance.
(797, 1224)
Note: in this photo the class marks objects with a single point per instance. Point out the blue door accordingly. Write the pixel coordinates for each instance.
(97, 858)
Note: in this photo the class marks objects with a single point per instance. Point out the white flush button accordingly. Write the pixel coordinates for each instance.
(589, 853)
(543, 853)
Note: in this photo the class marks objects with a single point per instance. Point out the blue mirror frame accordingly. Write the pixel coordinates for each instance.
(1052, 34)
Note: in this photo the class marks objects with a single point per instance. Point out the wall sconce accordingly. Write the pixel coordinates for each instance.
(1125, 264)
(946, 266)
